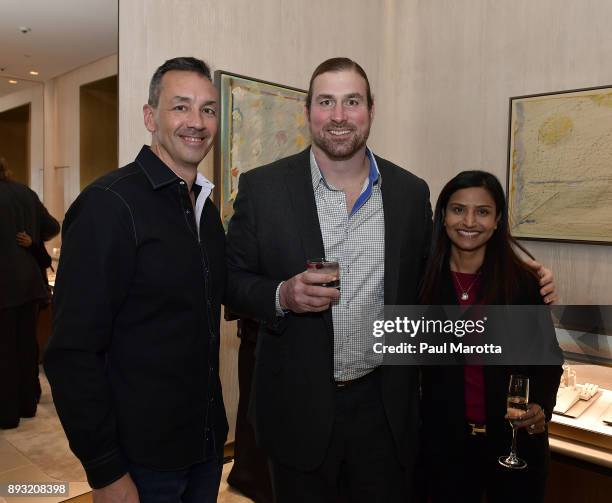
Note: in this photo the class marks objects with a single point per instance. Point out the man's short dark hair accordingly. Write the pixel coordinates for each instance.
(186, 64)
(339, 65)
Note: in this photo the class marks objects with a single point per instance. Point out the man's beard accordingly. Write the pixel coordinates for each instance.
(340, 150)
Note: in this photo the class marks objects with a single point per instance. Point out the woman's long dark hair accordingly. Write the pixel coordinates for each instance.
(501, 268)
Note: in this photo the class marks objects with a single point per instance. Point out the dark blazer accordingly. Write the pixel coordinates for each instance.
(275, 228)
(21, 280)
(444, 423)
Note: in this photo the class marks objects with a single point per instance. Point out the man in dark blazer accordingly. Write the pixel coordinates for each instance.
(331, 419)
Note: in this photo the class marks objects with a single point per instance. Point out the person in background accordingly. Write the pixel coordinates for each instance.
(133, 361)
(465, 427)
(40, 254)
(24, 222)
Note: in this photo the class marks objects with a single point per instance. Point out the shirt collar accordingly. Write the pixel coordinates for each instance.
(206, 185)
(205, 188)
(317, 177)
(156, 171)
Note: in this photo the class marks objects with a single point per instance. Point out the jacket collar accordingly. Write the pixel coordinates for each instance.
(156, 171)
(159, 174)
(299, 185)
(394, 203)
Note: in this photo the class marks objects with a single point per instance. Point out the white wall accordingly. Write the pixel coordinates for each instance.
(273, 40)
(468, 58)
(33, 96)
(63, 128)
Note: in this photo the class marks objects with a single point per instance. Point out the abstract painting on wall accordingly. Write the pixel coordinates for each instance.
(260, 122)
(560, 166)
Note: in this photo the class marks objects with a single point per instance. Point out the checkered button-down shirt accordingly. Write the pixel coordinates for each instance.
(357, 240)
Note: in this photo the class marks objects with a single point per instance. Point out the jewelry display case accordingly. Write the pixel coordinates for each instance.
(581, 425)
(580, 432)
(584, 430)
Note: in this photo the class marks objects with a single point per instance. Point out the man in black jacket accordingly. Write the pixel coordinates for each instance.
(134, 358)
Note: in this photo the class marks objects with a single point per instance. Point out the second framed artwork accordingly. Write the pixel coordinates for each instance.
(560, 166)
(259, 123)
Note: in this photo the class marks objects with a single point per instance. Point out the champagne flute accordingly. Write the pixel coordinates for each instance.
(518, 399)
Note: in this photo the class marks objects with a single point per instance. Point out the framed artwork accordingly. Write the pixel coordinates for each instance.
(560, 166)
(260, 122)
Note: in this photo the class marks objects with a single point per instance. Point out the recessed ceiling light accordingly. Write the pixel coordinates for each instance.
(33, 72)
(12, 81)
(25, 29)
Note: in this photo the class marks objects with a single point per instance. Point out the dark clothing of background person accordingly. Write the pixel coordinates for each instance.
(134, 358)
(274, 230)
(44, 261)
(21, 289)
(249, 472)
(458, 466)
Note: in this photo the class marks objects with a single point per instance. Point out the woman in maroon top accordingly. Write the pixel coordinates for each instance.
(464, 407)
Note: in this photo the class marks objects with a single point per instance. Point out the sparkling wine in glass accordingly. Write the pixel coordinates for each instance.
(518, 399)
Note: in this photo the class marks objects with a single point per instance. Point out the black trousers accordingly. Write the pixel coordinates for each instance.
(18, 363)
(360, 465)
(198, 483)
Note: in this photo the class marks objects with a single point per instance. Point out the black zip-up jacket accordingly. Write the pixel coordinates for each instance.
(134, 357)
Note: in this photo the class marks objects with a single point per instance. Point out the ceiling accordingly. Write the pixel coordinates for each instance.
(65, 34)
(7, 88)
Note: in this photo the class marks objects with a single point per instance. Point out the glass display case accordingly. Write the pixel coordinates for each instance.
(581, 425)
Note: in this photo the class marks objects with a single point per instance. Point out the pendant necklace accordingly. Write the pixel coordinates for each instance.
(465, 294)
